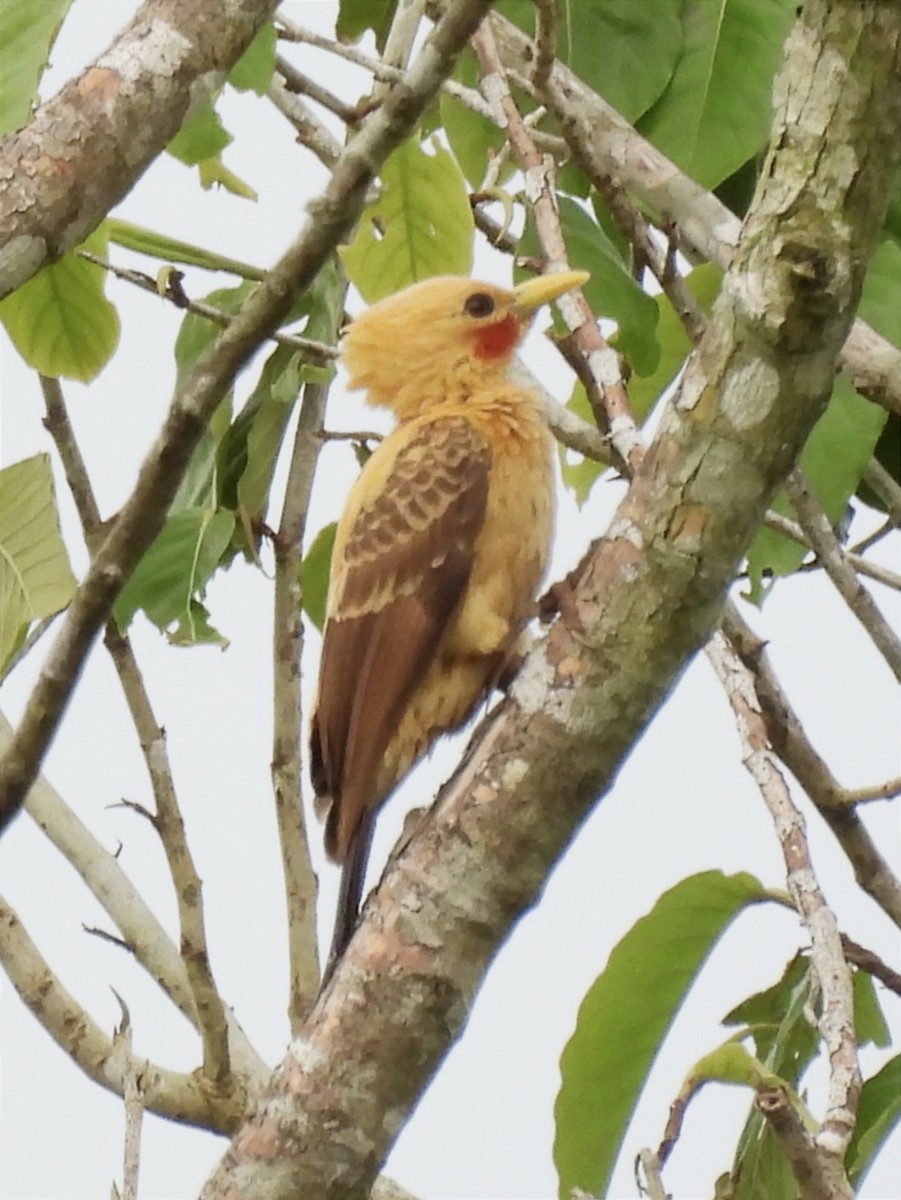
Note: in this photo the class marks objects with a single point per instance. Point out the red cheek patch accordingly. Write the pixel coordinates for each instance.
(497, 339)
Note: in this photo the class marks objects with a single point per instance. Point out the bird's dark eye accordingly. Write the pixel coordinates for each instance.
(479, 305)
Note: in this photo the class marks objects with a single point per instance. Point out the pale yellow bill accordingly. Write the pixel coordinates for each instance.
(535, 292)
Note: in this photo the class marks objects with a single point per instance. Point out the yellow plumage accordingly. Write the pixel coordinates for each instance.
(443, 540)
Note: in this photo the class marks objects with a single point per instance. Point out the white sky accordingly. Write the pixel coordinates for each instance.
(682, 803)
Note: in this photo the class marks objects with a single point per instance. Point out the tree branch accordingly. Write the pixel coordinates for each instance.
(643, 601)
(301, 885)
(814, 1181)
(80, 154)
(836, 1023)
(152, 739)
(832, 801)
(601, 363)
(104, 1059)
(141, 932)
(828, 549)
(609, 150)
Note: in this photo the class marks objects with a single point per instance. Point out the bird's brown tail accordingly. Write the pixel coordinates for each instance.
(353, 876)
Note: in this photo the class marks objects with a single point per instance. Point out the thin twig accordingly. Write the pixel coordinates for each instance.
(836, 1022)
(879, 791)
(299, 84)
(142, 933)
(871, 539)
(601, 359)
(401, 35)
(134, 1104)
(291, 32)
(813, 1176)
(791, 529)
(318, 351)
(545, 42)
(168, 820)
(789, 740)
(867, 960)
(301, 885)
(648, 1176)
(829, 550)
(497, 234)
(886, 488)
(167, 1093)
(309, 129)
(349, 435)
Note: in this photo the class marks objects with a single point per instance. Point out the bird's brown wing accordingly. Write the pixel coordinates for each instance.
(405, 565)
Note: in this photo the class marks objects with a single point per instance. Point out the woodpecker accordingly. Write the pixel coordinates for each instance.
(443, 541)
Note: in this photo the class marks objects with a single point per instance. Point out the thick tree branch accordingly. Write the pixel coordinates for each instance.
(643, 602)
(86, 148)
(331, 218)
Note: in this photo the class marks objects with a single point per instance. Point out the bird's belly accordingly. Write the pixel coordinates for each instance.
(510, 559)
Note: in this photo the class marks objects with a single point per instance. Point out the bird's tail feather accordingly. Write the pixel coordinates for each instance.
(353, 876)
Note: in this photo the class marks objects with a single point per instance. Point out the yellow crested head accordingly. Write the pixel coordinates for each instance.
(441, 338)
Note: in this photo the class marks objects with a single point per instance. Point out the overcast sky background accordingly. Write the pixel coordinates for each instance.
(682, 804)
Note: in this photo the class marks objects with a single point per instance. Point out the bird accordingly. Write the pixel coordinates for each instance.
(442, 543)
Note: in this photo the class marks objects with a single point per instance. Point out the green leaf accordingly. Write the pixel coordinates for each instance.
(199, 484)
(833, 459)
(580, 474)
(626, 51)
(732, 1063)
(625, 1015)
(194, 629)
(892, 226)
(249, 450)
(785, 1040)
(356, 16)
(197, 333)
(420, 225)
(199, 487)
(611, 291)
(253, 70)
(716, 112)
(171, 250)
(786, 1043)
(250, 446)
(869, 1021)
(314, 574)
(60, 321)
(200, 143)
(35, 577)
(175, 569)
(27, 34)
(202, 136)
(646, 390)
(474, 140)
(878, 1113)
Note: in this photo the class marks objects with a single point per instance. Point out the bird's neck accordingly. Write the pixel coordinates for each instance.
(467, 385)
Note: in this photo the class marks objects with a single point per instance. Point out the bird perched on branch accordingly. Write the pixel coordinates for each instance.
(443, 540)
